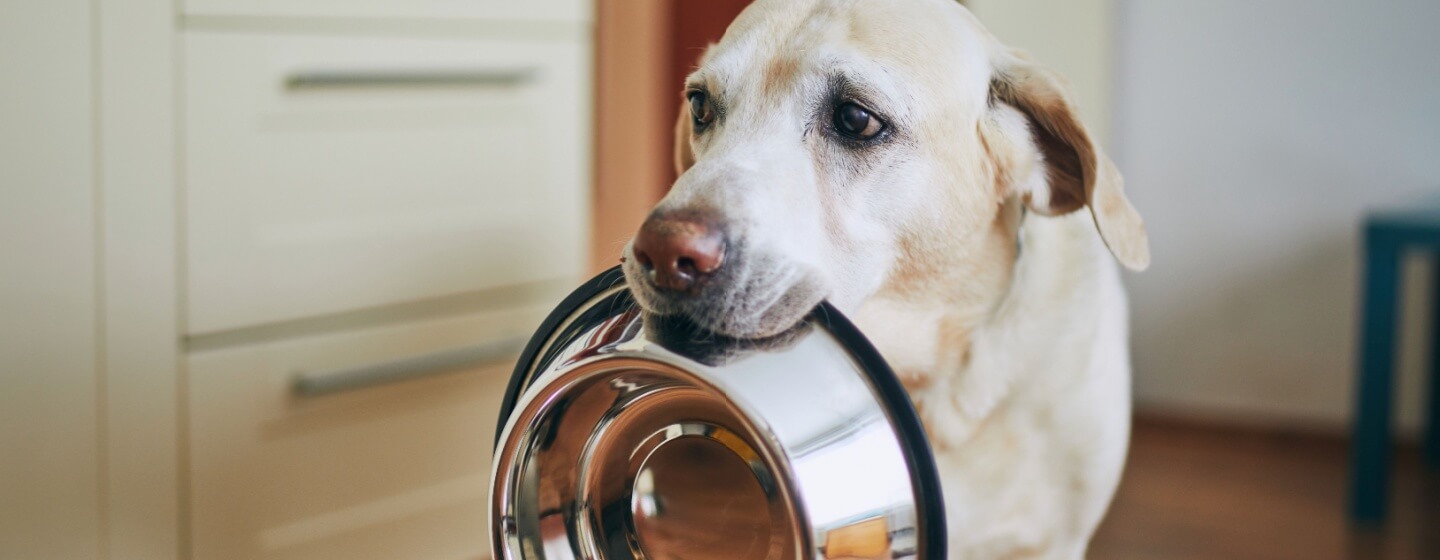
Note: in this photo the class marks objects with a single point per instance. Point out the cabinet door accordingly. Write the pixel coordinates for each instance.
(395, 471)
(335, 173)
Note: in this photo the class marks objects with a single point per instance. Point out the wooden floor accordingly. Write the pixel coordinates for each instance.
(1191, 493)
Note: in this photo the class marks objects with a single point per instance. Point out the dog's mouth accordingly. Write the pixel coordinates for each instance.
(756, 303)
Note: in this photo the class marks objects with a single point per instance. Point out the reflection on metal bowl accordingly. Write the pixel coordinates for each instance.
(622, 440)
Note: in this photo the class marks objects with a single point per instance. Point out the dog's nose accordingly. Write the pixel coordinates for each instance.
(678, 253)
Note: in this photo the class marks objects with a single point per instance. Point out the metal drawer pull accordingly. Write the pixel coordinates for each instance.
(348, 379)
(336, 79)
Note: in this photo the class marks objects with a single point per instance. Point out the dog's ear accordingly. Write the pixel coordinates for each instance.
(684, 152)
(1078, 172)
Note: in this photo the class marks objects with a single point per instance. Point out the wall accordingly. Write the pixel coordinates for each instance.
(1075, 38)
(88, 320)
(1253, 135)
(49, 384)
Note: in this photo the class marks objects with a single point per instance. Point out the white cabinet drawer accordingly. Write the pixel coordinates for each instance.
(328, 174)
(393, 471)
(512, 10)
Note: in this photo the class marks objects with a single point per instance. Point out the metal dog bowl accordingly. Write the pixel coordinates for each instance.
(621, 440)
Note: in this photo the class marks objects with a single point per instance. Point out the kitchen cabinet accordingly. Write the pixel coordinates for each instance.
(266, 266)
(328, 173)
(377, 202)
(394, 470)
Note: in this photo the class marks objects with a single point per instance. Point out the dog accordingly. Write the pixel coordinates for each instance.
(894, 158)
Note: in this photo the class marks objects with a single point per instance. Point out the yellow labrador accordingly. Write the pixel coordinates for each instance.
(893, 157)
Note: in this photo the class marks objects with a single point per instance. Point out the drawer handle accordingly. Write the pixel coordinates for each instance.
(336, 79)
(314, 384)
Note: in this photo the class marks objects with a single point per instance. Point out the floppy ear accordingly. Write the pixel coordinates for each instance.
(1078, 172)
(684, 153)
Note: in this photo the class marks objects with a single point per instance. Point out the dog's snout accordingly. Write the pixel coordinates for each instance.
(679, 253)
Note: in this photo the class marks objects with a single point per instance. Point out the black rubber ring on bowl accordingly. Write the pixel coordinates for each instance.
(520, 377)
(915, 445)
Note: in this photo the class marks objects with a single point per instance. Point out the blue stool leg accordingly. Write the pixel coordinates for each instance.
(1370, 451)
(1432, 422)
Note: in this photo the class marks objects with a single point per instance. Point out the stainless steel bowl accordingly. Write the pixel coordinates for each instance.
(625, 440)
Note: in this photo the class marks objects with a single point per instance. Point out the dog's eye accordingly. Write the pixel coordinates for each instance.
(856, 122)
(701, 109)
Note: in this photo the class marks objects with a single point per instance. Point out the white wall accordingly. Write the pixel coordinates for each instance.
(1253, 135)
(49, 385)
(1072, 37)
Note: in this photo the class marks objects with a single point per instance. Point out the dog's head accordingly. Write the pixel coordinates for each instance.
(834, 148)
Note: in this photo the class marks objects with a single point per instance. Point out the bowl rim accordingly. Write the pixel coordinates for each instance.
(914, 444)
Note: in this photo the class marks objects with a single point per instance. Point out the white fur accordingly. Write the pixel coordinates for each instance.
(1010, 333)
(1031, 436)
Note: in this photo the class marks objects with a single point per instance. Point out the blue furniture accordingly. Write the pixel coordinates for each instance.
(1388, 237)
